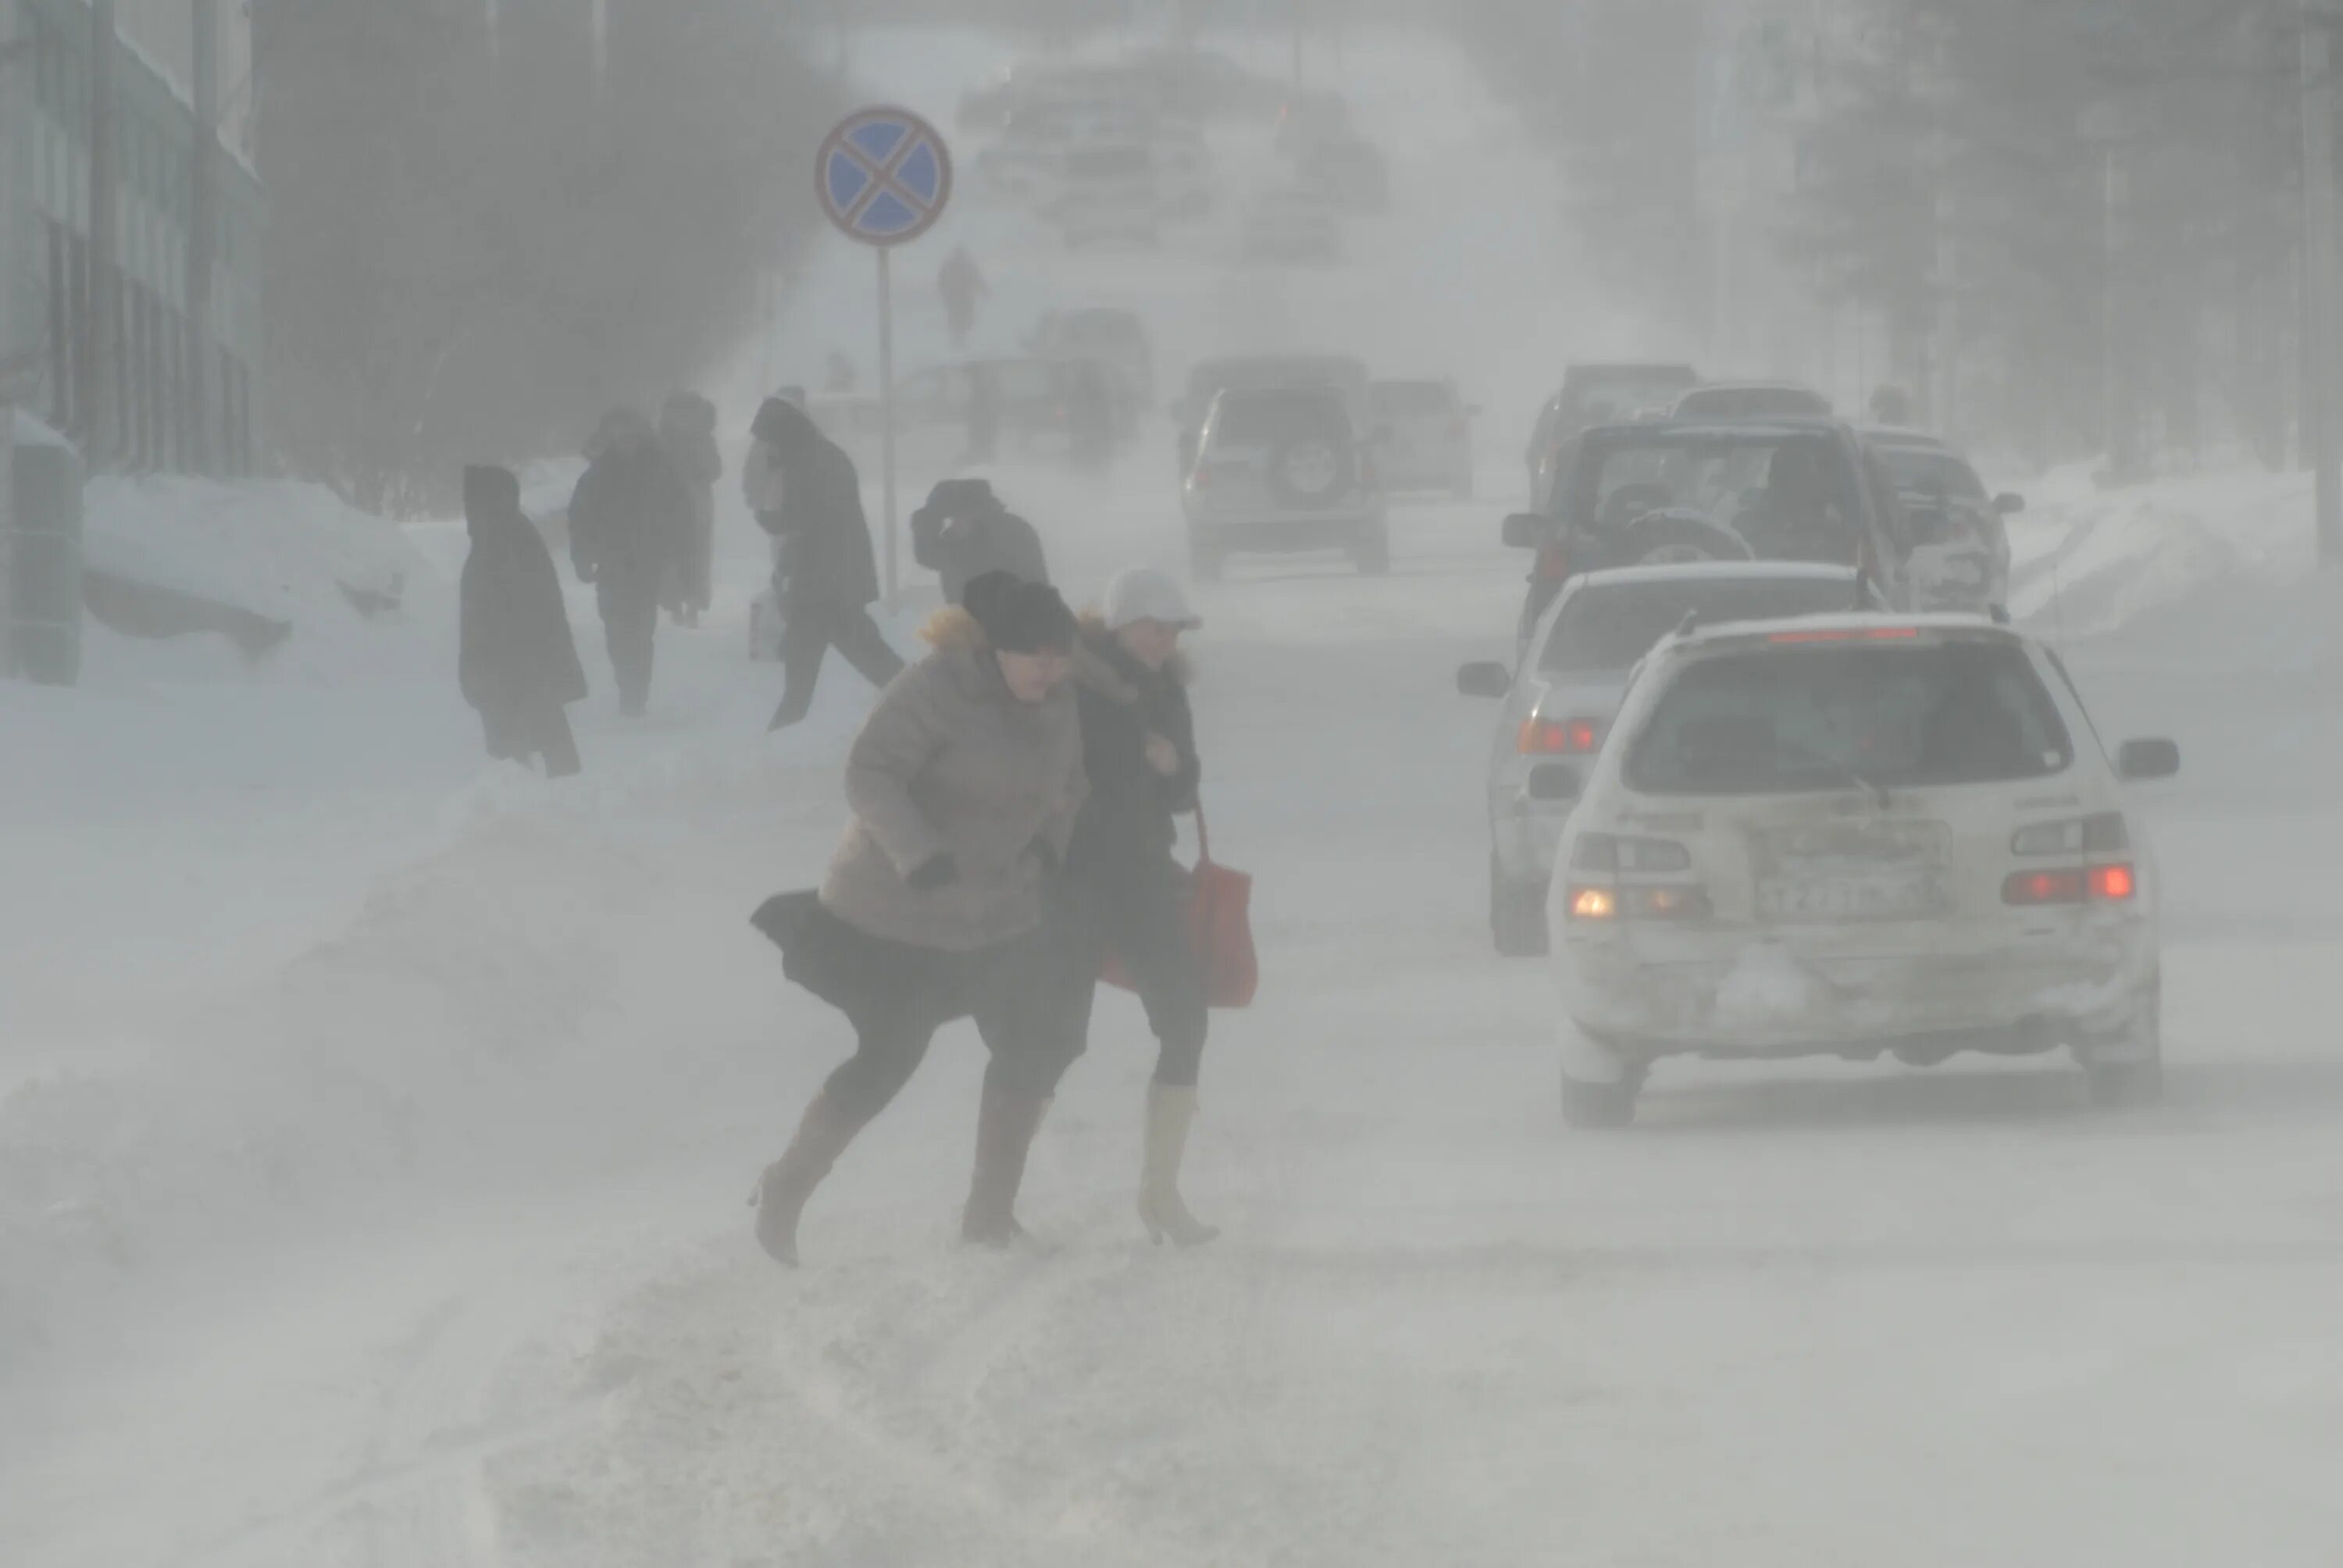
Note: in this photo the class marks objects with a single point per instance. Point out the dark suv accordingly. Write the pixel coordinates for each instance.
(1677, 491)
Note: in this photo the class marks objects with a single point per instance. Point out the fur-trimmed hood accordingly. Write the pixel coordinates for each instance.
(952, 630)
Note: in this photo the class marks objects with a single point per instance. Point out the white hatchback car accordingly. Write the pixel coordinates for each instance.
(1855, 836)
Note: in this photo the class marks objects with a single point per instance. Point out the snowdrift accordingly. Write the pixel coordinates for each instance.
(171, 557)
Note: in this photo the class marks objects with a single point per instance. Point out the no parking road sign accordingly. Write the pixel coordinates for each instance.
(884, 176)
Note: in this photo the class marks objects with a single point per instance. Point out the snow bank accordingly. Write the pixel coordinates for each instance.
(363, 604)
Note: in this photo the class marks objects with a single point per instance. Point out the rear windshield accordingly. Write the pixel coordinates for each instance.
(1611, 627)
(1919, 473)
(1790, 497)
(1410, 398)
(1835, 716)
(1751, 403)
(1294, 414)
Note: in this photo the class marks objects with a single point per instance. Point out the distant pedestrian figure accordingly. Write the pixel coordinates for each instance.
(829, 575)
(630, 522)
(964, 532)
(688, 432)
(515, 660)
(963, 288)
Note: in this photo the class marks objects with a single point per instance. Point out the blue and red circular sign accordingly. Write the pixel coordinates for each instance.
(884, 176)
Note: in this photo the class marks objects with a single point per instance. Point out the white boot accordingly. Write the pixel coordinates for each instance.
(1170, 1113)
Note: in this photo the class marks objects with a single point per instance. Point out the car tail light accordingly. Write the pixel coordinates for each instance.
(1543, 736)
(1456, 426)
(2113, 884)
(1200, 476)
(1593, 904)
(1553, 564)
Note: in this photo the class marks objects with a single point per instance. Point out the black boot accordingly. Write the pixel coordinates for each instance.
(1004, 1135)
(789, 1181)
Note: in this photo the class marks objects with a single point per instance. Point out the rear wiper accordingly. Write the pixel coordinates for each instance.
(1877, 791)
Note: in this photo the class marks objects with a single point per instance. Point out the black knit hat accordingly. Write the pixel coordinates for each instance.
(1019, 616)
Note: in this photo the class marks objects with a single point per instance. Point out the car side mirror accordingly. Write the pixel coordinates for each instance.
(2144, 761)
(1527, 530)
(1553, 781)
(1488, 678)
(2009, 503)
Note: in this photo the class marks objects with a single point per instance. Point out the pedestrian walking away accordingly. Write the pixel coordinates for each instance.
(1125, 896)
(516, 663)
(630, 522)
(963, 287)
(687, 435)
(828, 574)
(965, 784)
(964, 530)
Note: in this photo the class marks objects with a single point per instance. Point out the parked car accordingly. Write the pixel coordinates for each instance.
(1854, 837)
(1560, 702)
(1751, 401)
(1210, 377)
(1106, 334)
(1423, 436)
(1663, 491)
(1297, 225)
(1281, 469)
(1597, 395)
(1959, 557)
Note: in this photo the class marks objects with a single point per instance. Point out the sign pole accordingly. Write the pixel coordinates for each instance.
(886, 408)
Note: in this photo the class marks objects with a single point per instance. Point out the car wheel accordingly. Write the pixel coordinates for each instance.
(1516, 914)
(1374, 553)
(2138, 1078)
(1599, 1107)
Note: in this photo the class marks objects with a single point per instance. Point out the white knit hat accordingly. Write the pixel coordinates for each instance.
(1143, 593)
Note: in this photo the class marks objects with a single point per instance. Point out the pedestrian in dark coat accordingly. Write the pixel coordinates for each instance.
(515, 660)
(965, 783)
(630, 524)
(1125, 896)
(964, 532)
(687, 434)
(829, 576)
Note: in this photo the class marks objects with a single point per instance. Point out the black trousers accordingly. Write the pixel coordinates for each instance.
(1138, 912)
(629, 623)
(897, 996)
(808, 634)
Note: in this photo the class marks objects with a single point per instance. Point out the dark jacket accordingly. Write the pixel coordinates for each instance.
(630, 520)
(688, 430)
(965, 532)
(1128, 819)
(826, 553)
(515, 652)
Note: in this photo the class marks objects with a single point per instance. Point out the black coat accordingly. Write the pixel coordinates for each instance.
(965, 532)
(1126, 828)
(826, 561)
(630, 520)
(515, 653)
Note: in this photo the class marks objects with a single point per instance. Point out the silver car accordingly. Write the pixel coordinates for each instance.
(1281, 469)
(1558, 709)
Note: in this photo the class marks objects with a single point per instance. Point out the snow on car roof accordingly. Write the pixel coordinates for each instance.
(1704, 572)
(1856, 624)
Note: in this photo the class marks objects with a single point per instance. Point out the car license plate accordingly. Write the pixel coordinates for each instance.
(1847, 898)
(1852, 872)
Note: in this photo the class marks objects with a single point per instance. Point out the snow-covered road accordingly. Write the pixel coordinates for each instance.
(1818, 1315)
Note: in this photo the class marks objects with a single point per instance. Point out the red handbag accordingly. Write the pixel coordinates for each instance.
(1220, 929)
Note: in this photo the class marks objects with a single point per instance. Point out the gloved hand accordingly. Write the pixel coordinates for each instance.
(935, 871)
